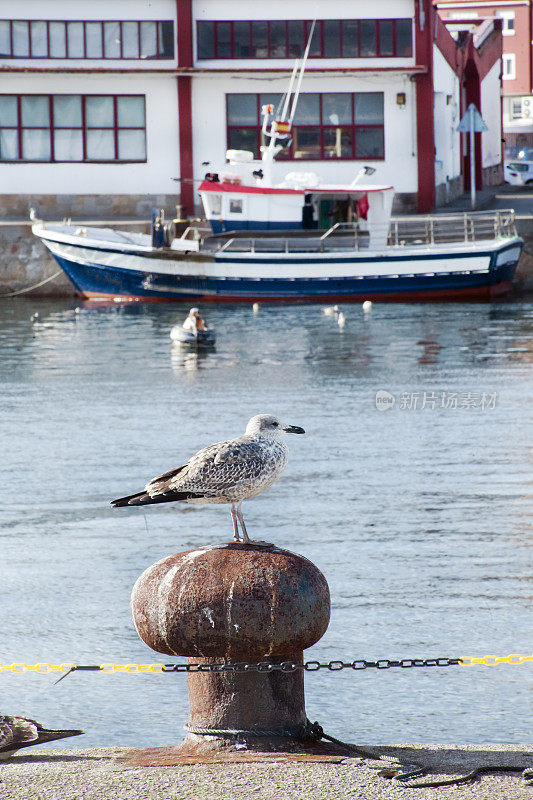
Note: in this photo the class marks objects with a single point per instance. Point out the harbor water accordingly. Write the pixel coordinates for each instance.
(410, 491)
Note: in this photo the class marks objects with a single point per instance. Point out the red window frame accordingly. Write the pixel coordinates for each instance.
(319, 36)
(288, 154)
(159, 55)
(51, 128)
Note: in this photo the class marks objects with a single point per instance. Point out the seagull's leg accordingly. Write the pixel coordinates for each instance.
(234, 515)
(245, 537)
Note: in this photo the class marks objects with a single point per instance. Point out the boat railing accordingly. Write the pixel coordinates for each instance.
(437, 229)
(426, 230)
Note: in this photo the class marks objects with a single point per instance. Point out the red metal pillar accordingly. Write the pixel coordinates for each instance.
(185, 61)
(425, 135)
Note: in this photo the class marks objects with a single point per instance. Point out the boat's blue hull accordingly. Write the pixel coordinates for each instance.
(95, 281)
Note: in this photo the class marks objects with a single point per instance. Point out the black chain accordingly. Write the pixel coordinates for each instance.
(312, 666)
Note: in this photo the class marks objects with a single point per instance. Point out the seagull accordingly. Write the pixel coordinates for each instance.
(367, 306)
(18, 732)
(225, 472)
(330, 311)
(341, 320)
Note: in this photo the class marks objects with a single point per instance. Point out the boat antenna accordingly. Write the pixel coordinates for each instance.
(302, 70)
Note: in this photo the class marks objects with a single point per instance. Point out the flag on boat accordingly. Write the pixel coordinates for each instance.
(363, 206)
(282, 127)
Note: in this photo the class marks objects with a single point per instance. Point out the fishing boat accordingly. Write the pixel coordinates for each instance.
(295, 240)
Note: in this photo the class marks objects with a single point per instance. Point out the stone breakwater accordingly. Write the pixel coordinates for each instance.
(99, 773)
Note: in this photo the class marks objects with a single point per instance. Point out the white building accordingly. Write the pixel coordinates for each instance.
(102, 104)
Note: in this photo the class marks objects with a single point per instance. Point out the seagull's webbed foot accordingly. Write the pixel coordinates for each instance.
(246, 539)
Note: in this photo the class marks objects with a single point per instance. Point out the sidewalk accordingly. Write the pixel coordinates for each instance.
(101, 773)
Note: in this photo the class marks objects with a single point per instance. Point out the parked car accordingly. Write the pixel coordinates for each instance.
(518, 173)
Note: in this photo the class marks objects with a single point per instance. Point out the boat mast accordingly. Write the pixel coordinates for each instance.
(281, 128)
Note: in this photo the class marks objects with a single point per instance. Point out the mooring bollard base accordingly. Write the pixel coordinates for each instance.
(212, 750)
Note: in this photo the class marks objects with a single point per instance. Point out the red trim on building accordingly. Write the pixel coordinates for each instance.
(425, 137)
(185, 59)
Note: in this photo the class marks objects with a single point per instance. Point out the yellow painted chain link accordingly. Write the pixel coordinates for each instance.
(493, 661)
(43, 669)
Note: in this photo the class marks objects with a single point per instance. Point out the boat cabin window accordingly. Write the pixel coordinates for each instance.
(235, 206)
(215, 204)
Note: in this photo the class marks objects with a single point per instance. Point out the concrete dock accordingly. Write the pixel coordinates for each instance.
(103, 774)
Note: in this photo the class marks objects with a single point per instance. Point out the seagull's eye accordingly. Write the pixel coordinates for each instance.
(275, 424)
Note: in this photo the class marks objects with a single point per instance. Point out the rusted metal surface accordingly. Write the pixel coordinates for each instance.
(229, 603)
(232, 601)
(180, 756)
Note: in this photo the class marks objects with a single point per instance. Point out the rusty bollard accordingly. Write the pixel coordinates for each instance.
(234, 603)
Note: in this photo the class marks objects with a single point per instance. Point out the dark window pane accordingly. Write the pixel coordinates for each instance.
(259, 40)
(278, 43)
(242, 109)
(386, 46)
(306, 143)
(338, 143)
(39, 39)
(404, 40)
(5, 38)
(75, 39)
(223, 40)
(307, 110)
(315, 50)
(369, 143)
(337, 109)
(296, 39)
(206, 40)
(242, 139)
(165, 39)
(350, 31)
(93, 39)
(241, 39)
(332, 41)
(367, 33)
(130, 39)
(369, 108)
(21, 39)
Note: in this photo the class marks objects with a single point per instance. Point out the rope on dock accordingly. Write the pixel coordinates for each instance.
(35, 285)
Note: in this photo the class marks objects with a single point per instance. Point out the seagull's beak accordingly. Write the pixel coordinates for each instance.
(293, 429)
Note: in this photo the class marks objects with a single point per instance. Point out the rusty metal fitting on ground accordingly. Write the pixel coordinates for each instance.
(232, 603)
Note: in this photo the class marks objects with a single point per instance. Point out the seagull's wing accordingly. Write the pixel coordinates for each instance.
(172, 474)
(17, 729)
(218, 467)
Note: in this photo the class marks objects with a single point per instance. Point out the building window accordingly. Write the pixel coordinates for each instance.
(508, 66)
(332, 38)
(86, 40)
(507, 18)
(329, 125)
(71, 127)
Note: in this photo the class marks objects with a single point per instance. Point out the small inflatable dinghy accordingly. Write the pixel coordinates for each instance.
(202, 339)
